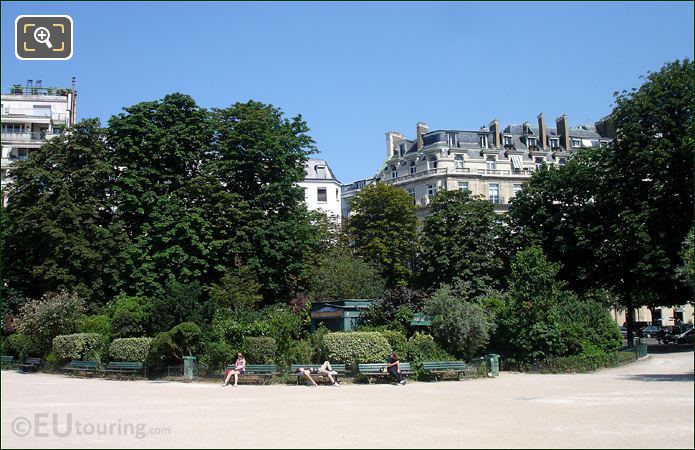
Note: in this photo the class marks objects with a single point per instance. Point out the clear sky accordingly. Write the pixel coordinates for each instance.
(358, 70)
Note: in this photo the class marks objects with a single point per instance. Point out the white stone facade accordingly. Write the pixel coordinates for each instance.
(322, 190)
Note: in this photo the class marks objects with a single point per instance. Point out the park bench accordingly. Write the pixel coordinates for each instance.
(442, 368)
(29, 364)
(7, 360)
(82, 366)
(124, 367)
(259, 371)
(340, 368)
(379, 370)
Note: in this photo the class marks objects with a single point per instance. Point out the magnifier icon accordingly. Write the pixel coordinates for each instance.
(42, 36)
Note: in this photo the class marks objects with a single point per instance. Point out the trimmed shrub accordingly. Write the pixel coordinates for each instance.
(217, 355)
(17, 345)
(356, 347)
(422, 347)
(397, 341)
(300, 352)
(260, 350)
(171, 346)
(130, 349)
(53, 315)
(78, 346)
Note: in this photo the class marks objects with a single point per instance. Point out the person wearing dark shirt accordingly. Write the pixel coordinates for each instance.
(393, 365)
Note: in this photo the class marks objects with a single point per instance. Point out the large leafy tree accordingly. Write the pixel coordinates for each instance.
(338, 275)
(618, 217)
(257, 216)
(461, 242)
(59, 227)
(158, 150)
(383, 228)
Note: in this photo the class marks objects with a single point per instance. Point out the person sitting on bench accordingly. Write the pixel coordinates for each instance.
(325, 369)
(239, 368)
(393, 365)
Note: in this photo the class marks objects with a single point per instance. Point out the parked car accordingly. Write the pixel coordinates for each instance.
(623, 331)
(649, 331)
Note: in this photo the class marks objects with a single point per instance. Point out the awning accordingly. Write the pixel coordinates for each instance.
(586, 143)
(517, 162)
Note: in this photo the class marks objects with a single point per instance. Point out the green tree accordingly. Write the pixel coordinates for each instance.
(617, 217)
(339, 275)
(42, 320)
(181, 303)
(462, 327)
(237, 290)
(383, 228)
(59, 219)
(158, 149)
(461, 241)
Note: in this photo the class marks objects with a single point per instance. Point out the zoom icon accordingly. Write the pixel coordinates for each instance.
(43, 37)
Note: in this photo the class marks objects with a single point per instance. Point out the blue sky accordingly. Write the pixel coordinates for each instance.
(357, 70)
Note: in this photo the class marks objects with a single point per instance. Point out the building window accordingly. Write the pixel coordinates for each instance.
(576, 143)
(603, 143)
(562, 161)
(12, 128)
(394, 172)
(431, 190)
(432, 162)
(320, 171)
(531, 141)
(494, 192)
(401, 148)
(516, 188)
(337, 195)
(483, 141)
(458, 161)
(413, 167)
(463, 186)
(42, 110)
(491, 163)
(22, 153)
(507, 140)
(539, 163)
(322, 197)
(554, 143)
(453, 139)
(411, 192)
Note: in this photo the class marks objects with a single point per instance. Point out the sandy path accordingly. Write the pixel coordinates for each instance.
(609, 409)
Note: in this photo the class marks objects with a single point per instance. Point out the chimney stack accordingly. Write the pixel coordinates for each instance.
(563, 130)
(497, 136)
(543, 135)
(422, 129)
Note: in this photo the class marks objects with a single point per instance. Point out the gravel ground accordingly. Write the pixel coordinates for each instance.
(647, 404)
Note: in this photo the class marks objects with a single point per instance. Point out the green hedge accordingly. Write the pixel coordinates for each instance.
(130, 349)
(397, 341)
(260, 350)
(78, 346)
(356, 347)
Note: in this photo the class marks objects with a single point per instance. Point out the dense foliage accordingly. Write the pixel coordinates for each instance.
(356, 347)
(78, 346)
(130, 349)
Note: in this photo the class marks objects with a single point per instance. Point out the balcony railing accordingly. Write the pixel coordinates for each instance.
(34, 136)
(34, 113)
(416, 175)
(493, 172)
(527, 172)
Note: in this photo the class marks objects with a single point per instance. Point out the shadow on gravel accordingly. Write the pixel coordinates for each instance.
(660, 377)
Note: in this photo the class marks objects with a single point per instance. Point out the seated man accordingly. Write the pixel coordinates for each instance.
(393, 365)
(325, 369)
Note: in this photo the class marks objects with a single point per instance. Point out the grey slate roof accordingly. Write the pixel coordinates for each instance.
(310, 170)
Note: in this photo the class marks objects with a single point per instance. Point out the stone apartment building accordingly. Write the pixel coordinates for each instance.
(31, 115)
(492, 162)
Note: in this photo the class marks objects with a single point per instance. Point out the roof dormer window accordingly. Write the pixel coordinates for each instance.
(483, 141)
(320, 171)
(576, 143)
(554, 143)
(401, 149)
(531, 141)
(508, 140)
